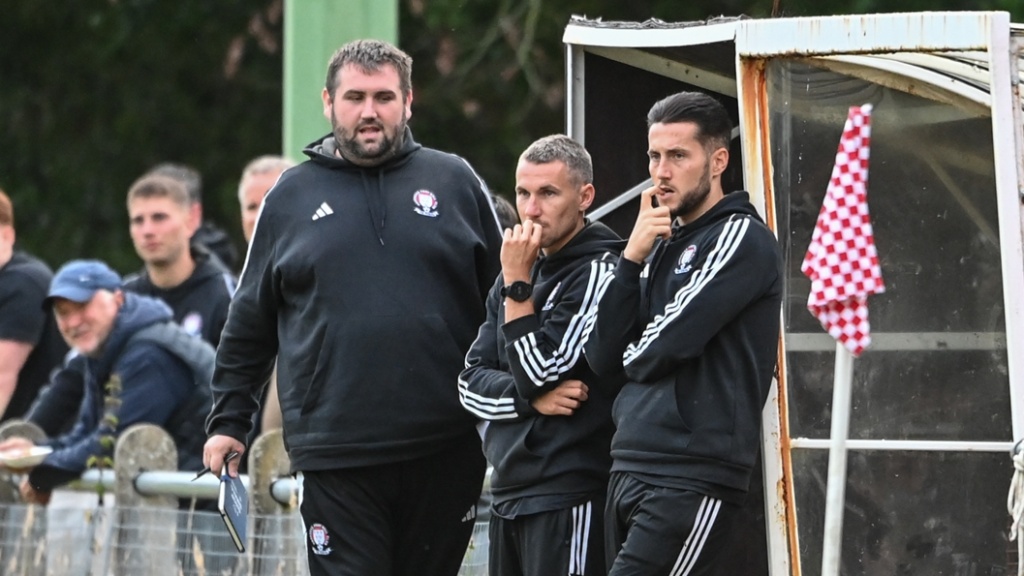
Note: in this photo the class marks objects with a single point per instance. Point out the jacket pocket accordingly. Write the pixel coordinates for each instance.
(647, 418)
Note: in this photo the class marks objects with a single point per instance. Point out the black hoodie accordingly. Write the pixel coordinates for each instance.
(697, 330)
(200, 303)
(368, 284)
(543, 463)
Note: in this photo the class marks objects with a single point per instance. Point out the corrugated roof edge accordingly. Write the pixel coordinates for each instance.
(650, 23)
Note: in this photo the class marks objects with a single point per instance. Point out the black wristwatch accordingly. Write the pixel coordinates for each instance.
(519, 291)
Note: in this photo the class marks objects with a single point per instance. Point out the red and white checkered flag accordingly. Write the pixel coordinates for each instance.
(841, 261)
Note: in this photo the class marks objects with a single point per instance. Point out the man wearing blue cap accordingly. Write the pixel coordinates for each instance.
(140, 367)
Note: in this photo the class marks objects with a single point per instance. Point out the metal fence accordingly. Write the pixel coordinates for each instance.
(113, 540)
(140, 527)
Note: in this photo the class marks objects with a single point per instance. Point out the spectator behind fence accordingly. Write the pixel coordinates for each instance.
(182, 275)
(365, 280)
(176, 270)
(207, 234)
(548, 416)
(30, 345)
(691, 312)
(507, 216)
(140, 367)
(258, 177)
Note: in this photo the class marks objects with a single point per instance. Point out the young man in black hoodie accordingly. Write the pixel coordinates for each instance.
(548, 417)
(691, 312)
(177, 270)
(366, 278)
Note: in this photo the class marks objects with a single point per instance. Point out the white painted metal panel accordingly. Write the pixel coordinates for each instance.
(1007, 138)
(915, 32)
(649, 37)
(906, 445)
(574, 111)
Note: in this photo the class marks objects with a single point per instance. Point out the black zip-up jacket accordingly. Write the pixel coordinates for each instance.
(368, 285)
(698, 337)
(544, 463)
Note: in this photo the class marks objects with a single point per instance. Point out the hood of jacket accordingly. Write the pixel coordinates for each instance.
(592, 240)
(322, 152)
(136, 313)
(206, 265)
(737, 202)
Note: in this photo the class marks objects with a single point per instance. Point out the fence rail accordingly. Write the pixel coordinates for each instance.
(145, 528)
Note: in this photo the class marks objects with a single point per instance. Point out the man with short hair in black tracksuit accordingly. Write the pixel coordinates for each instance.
(548, 417)
(692, 313)
(366, 278)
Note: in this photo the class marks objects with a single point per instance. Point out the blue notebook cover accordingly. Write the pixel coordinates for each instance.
(233, 504)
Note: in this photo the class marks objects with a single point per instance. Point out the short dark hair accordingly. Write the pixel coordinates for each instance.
(6, 210)
(187, 175)
(370, 56)
(712, 120)
(561, 148)
(506, 212)
(152, 185)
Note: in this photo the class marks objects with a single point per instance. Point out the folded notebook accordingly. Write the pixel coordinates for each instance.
(233, 504)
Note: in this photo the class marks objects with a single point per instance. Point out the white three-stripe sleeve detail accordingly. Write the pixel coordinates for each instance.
(707, 513)
(728, 242)
(485, 407)
(603, 282)
(543, 369)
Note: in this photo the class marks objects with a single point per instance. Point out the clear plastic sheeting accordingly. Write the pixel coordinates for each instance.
(938, 370)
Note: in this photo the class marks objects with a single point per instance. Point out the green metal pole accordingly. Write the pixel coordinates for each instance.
(313, 30)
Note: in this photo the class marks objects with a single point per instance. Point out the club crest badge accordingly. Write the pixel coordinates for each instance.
(686, 260)
(320, 539)
(426, 203)
(550, 303)
(193, 324)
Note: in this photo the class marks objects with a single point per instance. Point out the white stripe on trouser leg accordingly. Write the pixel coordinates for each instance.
(305, 534)
(580, 538)
(702, 525)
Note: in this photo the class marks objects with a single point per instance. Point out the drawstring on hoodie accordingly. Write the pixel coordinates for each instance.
(379, 201)
(383, 204)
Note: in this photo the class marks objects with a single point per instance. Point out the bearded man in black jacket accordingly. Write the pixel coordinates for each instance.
(366, 278)
(691, 312)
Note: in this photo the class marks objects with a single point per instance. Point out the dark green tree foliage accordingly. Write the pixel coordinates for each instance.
(93, 93)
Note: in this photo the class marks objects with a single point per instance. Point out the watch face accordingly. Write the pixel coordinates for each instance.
(518, 291)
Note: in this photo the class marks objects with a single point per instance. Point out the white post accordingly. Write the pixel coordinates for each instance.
(835, 499)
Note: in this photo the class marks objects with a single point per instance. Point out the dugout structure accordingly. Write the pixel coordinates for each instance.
(937, 399)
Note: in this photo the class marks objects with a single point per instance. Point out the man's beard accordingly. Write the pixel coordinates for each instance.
(695, 196)
(353, 151)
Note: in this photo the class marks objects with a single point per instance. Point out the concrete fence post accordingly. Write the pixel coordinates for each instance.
(146, 540)
(22, 530)
(277, 531)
